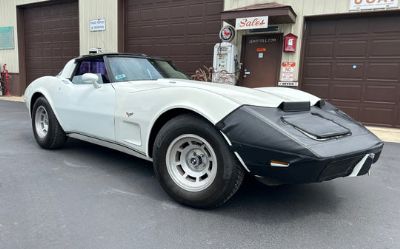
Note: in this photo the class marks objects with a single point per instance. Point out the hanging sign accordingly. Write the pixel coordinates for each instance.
(373, 4)
(258, 22)
(227, 33)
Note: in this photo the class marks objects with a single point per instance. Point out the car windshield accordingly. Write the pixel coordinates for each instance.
(132, 69)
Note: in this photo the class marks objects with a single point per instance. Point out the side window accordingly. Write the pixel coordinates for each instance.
(95, 66)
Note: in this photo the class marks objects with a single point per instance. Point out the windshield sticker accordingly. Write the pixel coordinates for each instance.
(120, 77)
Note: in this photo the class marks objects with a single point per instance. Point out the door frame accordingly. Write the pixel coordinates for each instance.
(243, 53)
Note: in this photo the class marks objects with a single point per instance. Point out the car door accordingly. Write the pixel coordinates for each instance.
(86, 109)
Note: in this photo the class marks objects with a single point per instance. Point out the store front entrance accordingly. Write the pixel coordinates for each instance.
(261, 58)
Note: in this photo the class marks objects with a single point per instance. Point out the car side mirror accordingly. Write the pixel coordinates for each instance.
(91, 78)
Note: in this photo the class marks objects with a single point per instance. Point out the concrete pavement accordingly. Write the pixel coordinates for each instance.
(86, 196)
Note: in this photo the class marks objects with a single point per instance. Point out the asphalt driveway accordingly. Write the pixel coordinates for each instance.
(85, 196)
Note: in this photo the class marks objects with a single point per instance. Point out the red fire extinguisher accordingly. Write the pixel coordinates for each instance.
(5, 77)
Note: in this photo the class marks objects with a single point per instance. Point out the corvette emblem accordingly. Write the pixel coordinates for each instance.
(129, 114)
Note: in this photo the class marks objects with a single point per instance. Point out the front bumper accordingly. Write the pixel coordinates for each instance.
(303, 169)
(259, 135)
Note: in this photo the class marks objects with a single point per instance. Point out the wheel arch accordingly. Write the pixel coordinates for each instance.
(42, 93)
(34, 97)
(163, 119)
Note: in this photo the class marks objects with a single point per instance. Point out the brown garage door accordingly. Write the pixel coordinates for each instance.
(182, 30)
(51, 37)
(355, 63)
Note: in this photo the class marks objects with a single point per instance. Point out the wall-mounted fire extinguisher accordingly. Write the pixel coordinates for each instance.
(5, 81)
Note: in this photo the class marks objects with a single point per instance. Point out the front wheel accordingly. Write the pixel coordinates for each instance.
(46, 129)
(194, 164)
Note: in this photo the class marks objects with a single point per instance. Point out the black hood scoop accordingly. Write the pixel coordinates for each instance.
(315, 126)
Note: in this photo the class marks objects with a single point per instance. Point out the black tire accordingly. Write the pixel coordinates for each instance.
(55, 137)
(229, 175)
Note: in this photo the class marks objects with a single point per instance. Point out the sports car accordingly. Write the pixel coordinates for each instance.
(203, 138)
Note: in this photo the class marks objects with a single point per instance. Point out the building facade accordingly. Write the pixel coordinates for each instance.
(347, 51)
(46, 34)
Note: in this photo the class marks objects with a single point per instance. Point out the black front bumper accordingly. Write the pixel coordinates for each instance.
(303, 169)
(259, 135)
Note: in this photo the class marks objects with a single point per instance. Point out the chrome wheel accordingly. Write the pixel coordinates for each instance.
(191, 162)
(41, 122)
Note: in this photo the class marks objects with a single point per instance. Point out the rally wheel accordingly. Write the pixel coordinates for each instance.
(194, 164)
(46, 128)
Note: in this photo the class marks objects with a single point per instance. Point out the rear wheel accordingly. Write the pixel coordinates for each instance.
(46, 129)
(194, 164)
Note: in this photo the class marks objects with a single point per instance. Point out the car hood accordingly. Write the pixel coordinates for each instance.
(265, 96)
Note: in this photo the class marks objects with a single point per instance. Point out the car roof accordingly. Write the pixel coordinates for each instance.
(101, 55)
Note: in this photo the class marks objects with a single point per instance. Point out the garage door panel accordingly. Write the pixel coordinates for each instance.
(351, 26)
(322, 28)
(189, 28)
(385, 48)
(318, 70)
(383, 71)
(351, 49)
(320, 49)
(365, 64)
(177, 12)
(196, 10)
(194, 29)
(382, 116)
(352, 111)
(378, 93)
(346, 92)
(52, 37)
(320, 90)
(385, 24)
(349, 71)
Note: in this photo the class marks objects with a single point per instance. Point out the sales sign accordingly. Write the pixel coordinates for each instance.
(373, 4)
(258, 22)
(97, 25)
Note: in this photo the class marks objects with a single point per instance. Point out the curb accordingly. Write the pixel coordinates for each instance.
(390, 135)
(12, 98)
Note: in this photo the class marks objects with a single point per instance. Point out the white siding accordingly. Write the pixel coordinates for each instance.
(95, 9)
(302, 8)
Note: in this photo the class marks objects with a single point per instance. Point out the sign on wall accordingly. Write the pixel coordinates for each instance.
(288, 69)
(258, 22)
(373, 4)
(7, 38)
(97, 25)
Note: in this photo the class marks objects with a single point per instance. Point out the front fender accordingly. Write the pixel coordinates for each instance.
(46, 86)
(147, 106)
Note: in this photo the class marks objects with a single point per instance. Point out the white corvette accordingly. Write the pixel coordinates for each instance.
(201, 137)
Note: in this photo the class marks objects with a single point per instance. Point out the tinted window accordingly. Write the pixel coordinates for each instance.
(95, 66)
(168, 70)
(132, 69)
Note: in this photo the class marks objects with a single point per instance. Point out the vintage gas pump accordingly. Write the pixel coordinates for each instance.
(225, 62)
